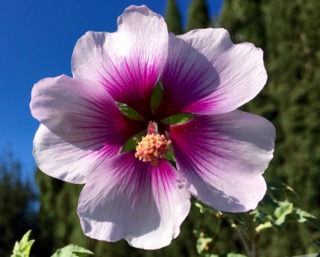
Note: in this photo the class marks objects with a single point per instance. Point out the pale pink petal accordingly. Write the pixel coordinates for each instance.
(81, 124)
(128, 199)
(62, 160)
(223, 157)
(207, 74)
(128, 62)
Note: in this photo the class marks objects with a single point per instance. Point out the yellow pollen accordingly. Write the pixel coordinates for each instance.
(152, 148)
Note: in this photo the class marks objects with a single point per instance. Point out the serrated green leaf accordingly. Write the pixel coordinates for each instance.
(72, 251)
(23, 248)
(25, 238)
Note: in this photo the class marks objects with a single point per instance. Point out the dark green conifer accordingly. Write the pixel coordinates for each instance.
(198, 15)
(173, 18)
(17, 199)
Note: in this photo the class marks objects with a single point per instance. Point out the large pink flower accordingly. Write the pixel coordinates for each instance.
(136, 193)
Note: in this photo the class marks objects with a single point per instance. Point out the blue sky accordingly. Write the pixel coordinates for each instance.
(37, 38)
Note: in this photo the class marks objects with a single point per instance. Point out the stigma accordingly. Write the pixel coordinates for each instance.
(152, 148)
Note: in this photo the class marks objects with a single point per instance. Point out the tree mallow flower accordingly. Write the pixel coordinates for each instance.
(149, 119)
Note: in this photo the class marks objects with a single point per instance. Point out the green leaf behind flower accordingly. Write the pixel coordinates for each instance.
(23, 248)
(179, 118)
(72, 251)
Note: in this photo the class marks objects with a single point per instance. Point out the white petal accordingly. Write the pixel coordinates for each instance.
(81, 127)
(128, 62)
(132, 200)
(223, 157)
(230, 74)
(62, 160)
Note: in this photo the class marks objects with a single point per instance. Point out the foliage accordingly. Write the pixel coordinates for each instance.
(173, 18)
(289, 35)
(23, 248)
(72, 251)
(276, 210)
(198, 15)
(58, 218)
(16, 203)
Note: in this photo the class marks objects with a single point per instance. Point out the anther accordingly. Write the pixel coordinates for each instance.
(152, 148)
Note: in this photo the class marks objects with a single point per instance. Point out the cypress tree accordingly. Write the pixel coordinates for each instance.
(198, 15)
(173, 17)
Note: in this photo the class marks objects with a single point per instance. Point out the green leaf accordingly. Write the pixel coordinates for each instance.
(131, 143)
(284, 209)
(203, 208)
(263, 220)
(203, 244)
(170, 155)
(235, 255)
(302, 216)
(179, 118)
(129, 112)
(276, 185)
(72, 251)
(314, 221)
(156, 97)
(23, 248)
(263, 226)
(280, 190)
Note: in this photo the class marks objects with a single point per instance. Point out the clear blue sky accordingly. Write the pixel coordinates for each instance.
(37, 38)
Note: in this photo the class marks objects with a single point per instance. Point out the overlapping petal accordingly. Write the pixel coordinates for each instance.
(221, 154)
(81, 127)
(128, 62)
(62, 160)
(207, 74)
(222, 157)
(132, 200)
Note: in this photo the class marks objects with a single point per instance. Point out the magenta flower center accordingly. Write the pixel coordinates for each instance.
(153, 146)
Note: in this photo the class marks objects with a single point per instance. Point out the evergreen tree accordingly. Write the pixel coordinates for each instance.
(173, 18)
(245, 21)
(17, 215)
(288, 32)
(198, 15)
